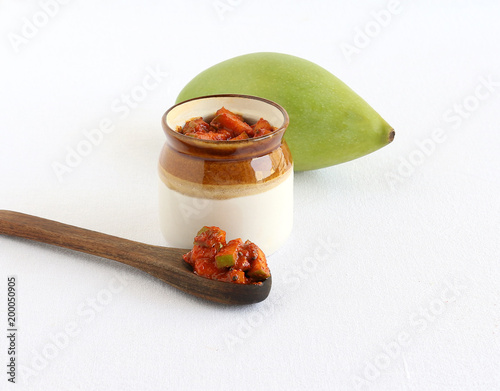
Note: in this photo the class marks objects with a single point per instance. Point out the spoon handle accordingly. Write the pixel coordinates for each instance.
(140, 255)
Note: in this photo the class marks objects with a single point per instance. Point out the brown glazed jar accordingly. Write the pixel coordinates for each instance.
(245, 187)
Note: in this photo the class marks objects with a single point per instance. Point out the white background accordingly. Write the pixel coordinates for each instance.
(406, 296)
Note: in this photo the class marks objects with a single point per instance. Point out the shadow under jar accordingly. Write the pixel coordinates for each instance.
(245, 187)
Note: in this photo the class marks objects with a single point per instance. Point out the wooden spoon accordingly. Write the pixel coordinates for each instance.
(162, 262)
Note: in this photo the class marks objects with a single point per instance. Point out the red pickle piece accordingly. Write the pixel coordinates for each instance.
(234, 261)
(225, 125)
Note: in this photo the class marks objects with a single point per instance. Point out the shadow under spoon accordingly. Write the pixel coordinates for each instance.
(164, 263)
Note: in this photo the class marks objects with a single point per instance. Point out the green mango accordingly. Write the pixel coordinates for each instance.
(329, 122)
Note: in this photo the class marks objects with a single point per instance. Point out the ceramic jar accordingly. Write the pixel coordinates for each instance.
(245, 187)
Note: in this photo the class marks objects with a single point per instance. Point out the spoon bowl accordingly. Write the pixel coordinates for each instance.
(165, 263)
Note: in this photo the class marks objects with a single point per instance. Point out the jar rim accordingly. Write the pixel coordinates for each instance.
(211, 143)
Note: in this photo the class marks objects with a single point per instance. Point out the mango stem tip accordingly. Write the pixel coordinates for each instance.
(392, 133)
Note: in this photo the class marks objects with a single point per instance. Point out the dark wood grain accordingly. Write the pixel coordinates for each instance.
(162, 262)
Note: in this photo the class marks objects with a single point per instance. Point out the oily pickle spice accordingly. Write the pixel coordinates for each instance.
(226, 125)
(235, 261)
